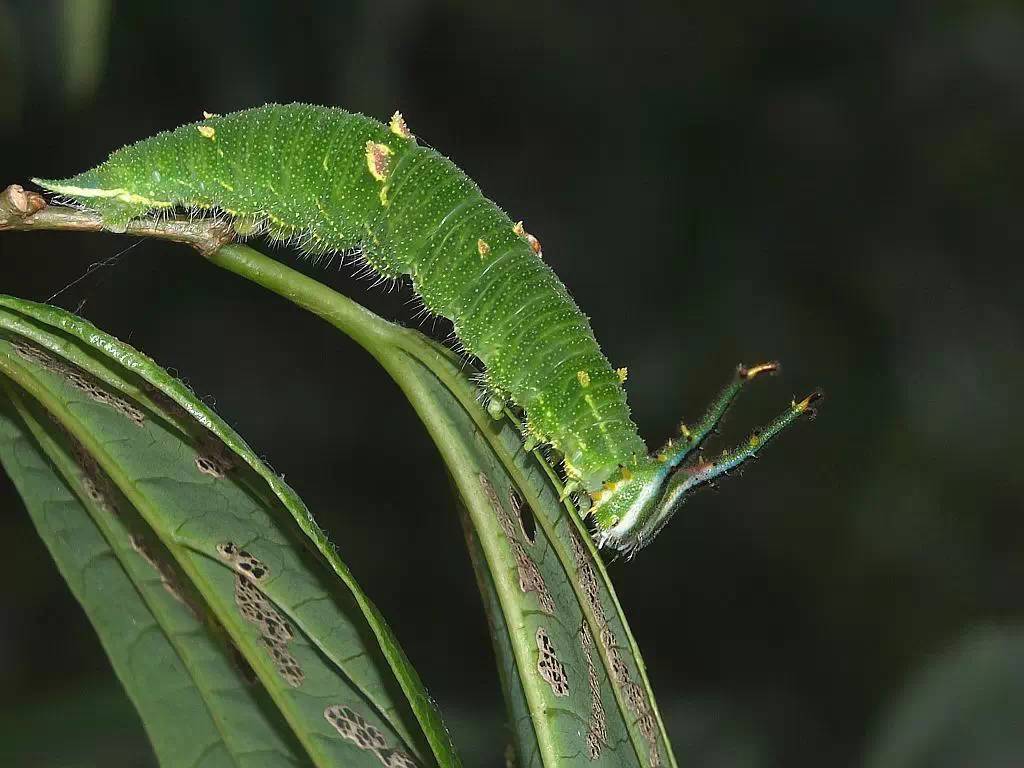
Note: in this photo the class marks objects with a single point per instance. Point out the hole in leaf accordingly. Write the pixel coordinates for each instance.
(525, 514)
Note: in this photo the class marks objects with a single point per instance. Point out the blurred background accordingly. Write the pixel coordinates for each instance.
(835, 185)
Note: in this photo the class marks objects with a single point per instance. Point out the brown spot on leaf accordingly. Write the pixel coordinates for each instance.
(548, 665)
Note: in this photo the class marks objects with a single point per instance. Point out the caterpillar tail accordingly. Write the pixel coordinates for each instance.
(632, 509)
(675, 451)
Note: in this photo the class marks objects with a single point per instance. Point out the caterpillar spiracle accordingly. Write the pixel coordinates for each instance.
(339, 181)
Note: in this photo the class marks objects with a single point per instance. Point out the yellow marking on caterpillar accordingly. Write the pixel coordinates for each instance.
(520, 230)
(622, 373)
(208, 115)
(685, 431)
(207, 132)
(131, 197)
(320, 206)
(324, 163)
(571, 471)
(483, 249)
(584, 379)
(226, 186)
(755, 440)
(398, 126)
(750, 373)
(804, 404)
(626, 474)
(122, 195)
(378, 160)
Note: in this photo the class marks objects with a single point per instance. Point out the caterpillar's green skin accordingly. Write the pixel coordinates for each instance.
(340, 181)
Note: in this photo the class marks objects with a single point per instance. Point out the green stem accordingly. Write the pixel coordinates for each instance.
(370, 331)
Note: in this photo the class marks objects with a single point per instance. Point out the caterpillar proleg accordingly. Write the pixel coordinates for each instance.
(337, 181)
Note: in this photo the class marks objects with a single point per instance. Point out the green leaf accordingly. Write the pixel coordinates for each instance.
(181, 675)
(573, 685)
(219, 521)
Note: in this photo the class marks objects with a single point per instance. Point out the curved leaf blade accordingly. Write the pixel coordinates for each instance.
(566, 707)
(135, 375)
(197, 707)
(316, 655)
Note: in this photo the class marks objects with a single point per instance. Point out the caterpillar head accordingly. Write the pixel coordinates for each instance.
(628, 510)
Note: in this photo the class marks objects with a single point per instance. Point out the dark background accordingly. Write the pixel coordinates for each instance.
(836, 185)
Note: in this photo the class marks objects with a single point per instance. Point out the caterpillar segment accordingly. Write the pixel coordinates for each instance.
(335, 181)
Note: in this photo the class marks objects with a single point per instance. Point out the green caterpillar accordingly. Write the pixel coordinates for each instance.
(339, 181)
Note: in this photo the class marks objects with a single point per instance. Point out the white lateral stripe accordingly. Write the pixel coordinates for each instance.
(629, 520)
(120, 194)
